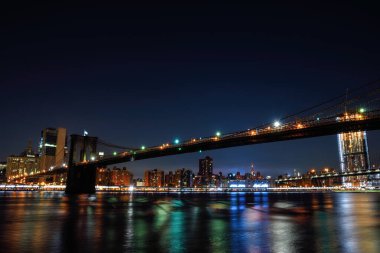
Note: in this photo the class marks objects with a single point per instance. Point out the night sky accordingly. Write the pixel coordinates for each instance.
(145, 74)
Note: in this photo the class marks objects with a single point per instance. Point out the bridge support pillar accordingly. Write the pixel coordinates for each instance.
(81, 180)
(81, 177)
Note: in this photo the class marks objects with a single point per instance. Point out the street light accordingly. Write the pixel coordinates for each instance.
(218, 134)
(276, 123)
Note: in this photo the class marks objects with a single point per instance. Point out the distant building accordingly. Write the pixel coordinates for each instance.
(154, 178)
(138, 182)
(121, 177)
(205, 166)
(187, 178)
(25, 164)
(182, 178)
(353, 156)
(103, 176)
(169, 179)
(53, 148)
(353, 151)
(114, 177)
(3, 172)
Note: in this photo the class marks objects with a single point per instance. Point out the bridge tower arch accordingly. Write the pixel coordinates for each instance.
(81, 178)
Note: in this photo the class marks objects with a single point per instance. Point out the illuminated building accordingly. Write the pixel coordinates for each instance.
(103, 176)
(181, 178)
(353, 151)
(114, 177)
(169, 179)
(27, 163)
(52, 148)
(121, 177)
(353, 156)
(3, 168)
(154, 178)
(187, 178)
(205, 166)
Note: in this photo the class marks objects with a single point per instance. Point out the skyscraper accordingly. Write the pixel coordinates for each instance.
(205, 166)
(353, 151)
(52, 148)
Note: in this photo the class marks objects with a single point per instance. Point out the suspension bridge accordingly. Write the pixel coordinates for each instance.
(356, 110)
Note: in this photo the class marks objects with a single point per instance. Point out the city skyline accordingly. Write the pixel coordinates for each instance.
(190, 127)
(145, 75)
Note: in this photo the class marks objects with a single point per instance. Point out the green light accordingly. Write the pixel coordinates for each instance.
(114, 153)
(142, 147)
(200, 151)
(218, 133)
(176, 141)
(361, 110)
(179, 149)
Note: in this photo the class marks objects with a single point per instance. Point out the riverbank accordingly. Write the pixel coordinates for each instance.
(185, 190)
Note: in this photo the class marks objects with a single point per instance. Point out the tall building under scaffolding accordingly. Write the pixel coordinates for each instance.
(353, 156)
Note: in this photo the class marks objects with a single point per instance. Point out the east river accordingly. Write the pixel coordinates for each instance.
(182, 222)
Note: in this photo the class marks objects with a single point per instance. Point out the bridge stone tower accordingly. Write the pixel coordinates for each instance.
(81, 178)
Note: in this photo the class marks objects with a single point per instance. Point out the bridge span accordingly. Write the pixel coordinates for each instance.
(81, 175)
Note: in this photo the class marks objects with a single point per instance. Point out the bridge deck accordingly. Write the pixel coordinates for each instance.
(290, 131)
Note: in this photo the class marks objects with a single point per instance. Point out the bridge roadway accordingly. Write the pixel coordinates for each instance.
(290, 131)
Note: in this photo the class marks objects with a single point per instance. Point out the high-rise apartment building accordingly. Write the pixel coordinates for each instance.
(353, 151)
(154, 178)
(205, 166)
(53, 148)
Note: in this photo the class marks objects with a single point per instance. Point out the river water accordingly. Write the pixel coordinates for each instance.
(234, 222)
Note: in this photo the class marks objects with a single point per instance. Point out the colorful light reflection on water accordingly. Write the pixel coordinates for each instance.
(234, 222)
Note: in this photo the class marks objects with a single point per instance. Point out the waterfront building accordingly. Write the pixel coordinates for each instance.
(169, 179)
(353, 151)
(121, 177)
(198, 182)
(25, 164)
(353, 156)
(187, 178)
(205, 166)
(154, 178)
(114, 177)
(3, 174)
(103, 176)
(53, 148)
(181, 178)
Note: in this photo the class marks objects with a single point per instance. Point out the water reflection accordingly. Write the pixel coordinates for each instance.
(235, 222)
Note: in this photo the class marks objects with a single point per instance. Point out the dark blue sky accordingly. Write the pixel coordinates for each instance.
(145, 74)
